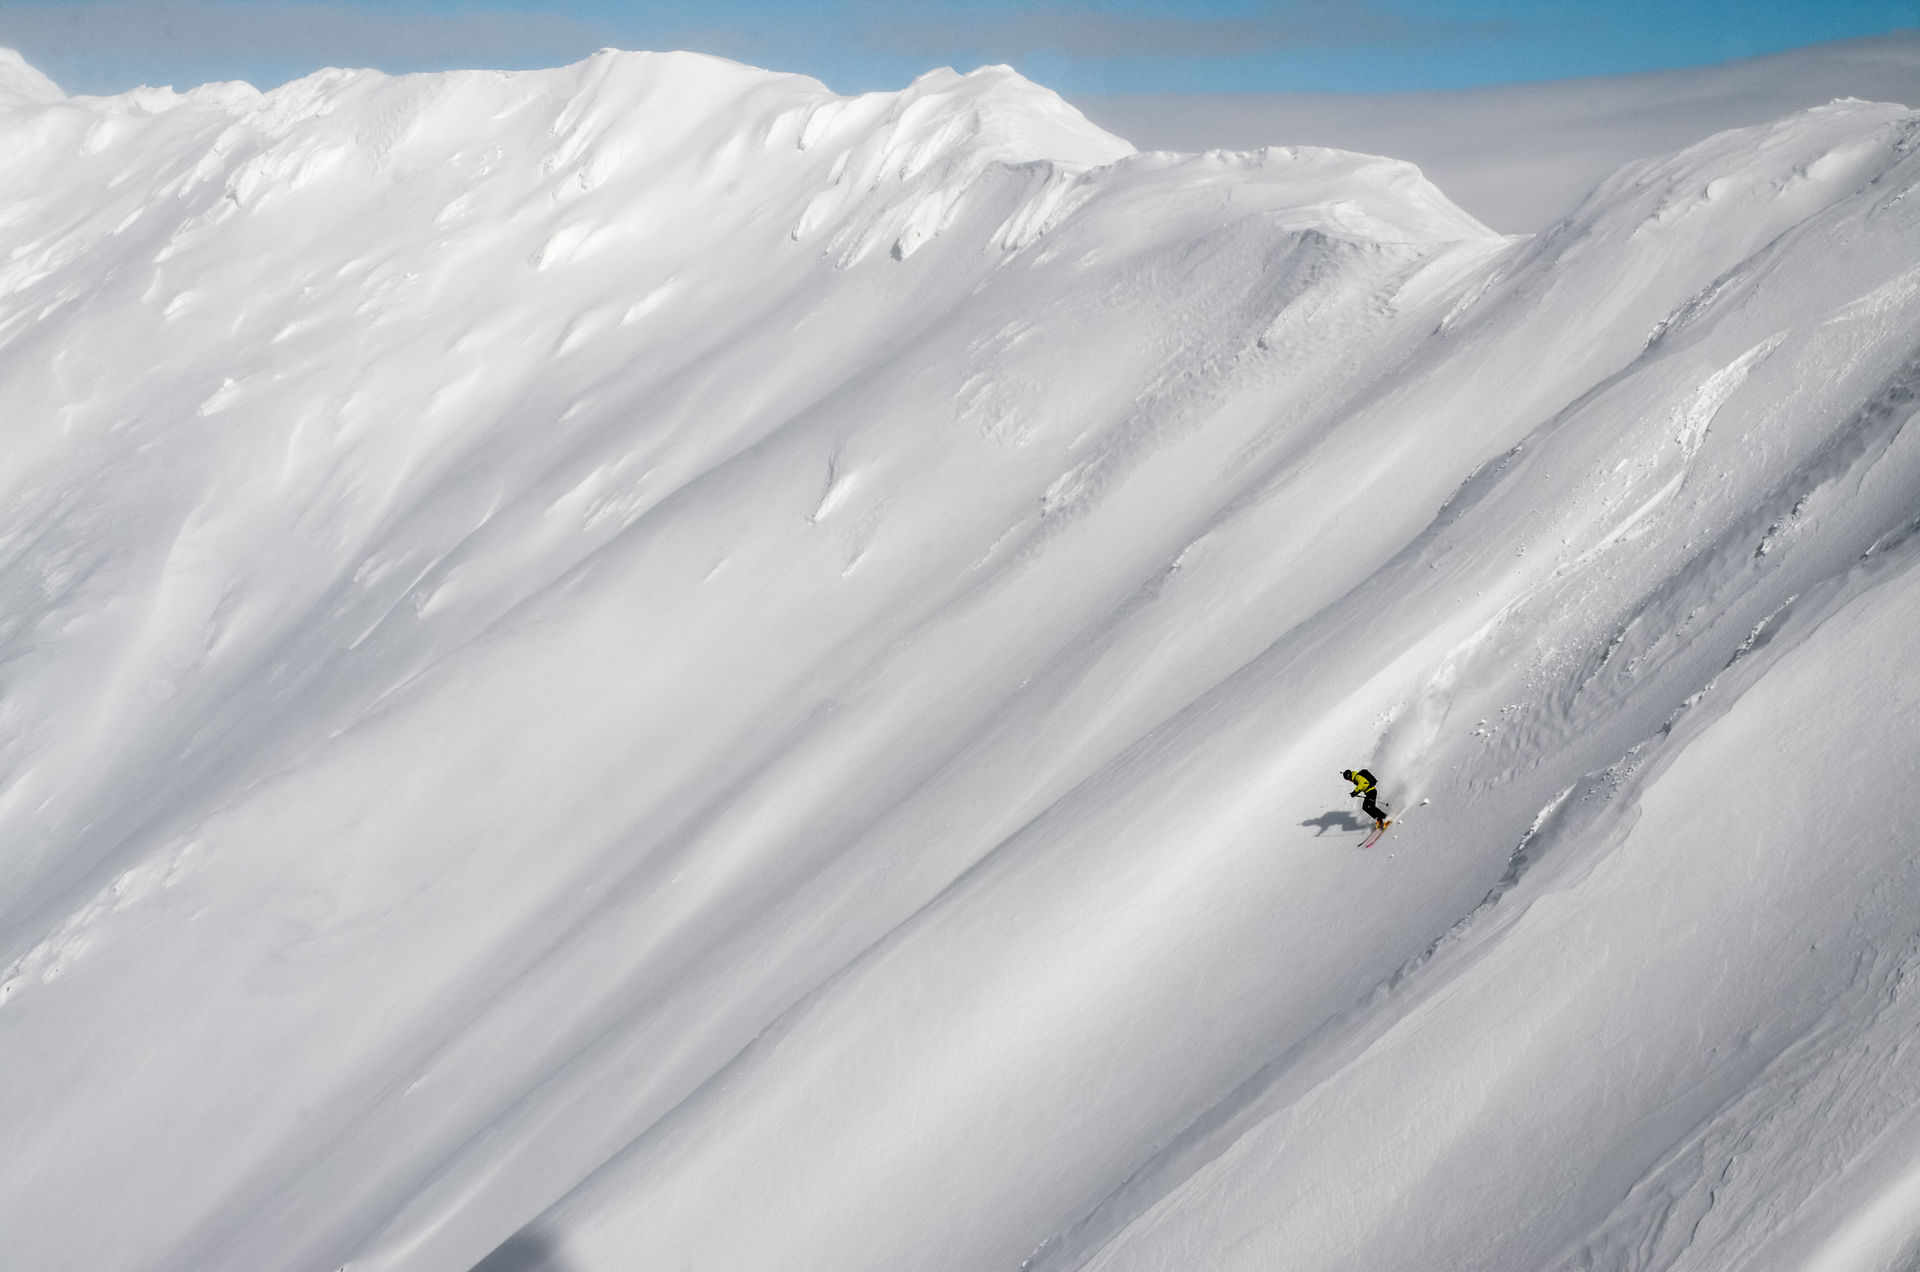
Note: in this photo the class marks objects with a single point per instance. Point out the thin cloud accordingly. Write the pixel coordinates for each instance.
(327, 31)
(1098, 32)
(307, 29)
(105, 45)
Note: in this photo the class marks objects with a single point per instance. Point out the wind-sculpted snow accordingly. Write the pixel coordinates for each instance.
(645, 666)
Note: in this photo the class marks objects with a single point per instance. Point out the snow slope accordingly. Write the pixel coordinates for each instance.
(641, 666)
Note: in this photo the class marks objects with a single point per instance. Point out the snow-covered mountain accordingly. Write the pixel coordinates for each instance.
(642, 666)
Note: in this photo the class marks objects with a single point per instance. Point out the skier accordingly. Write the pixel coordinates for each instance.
(1365, 787)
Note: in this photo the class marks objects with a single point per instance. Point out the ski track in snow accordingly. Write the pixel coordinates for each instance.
(642, 665)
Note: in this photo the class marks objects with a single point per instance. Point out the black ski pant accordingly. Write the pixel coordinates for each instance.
(1370, 808)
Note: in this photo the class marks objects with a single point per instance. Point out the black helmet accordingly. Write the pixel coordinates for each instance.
(1347, 773)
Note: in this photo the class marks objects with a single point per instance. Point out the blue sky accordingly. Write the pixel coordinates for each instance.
(1075, 46)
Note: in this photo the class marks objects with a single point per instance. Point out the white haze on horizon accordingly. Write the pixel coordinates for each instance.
(1520, 156)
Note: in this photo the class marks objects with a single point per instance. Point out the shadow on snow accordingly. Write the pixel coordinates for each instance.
(1338, 819)
(524, 1251)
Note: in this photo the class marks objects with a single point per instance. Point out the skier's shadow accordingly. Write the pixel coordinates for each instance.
(1338, 819)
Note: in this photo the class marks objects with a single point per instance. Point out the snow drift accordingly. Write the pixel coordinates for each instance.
(643, 666)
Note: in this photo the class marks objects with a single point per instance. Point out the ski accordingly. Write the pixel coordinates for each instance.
(1378, 831)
